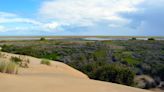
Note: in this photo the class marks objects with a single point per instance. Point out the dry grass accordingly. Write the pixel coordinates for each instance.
(45, 61)
(21, 61)
(8, 67)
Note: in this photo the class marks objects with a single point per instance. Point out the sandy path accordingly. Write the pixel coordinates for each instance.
(58, 77)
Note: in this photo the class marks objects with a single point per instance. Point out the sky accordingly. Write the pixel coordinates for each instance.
(82, 17)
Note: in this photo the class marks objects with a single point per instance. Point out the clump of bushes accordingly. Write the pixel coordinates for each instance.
(8, 67)
(42, 39)
(151, 39)
(116, 74)
(16, 60)
(45, 61)
(21, 61)
(133, 38)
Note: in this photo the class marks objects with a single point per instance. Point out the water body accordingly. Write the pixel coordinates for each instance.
(89, 38)
(105, 39)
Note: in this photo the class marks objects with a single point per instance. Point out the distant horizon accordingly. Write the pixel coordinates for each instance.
(76, 36)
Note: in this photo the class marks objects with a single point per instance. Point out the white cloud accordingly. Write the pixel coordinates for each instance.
(28, 24)
(13, 18)
(2, 28)
(87, 12)
(5, 14)
(19, 20)
(52, 25)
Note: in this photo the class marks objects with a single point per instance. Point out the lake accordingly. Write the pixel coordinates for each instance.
(83, 38)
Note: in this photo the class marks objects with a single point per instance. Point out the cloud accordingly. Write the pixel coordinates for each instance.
(13, 18)
(149, 19)
(5, 14)
(89, 17)
(52, 25)
(14, 22)
(120, 17)
(2, 28)
(87, 12)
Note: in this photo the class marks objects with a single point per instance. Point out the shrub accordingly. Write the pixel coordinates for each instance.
(161, 73)
(151, 39)
(16, 60)
(46, 62)
(133, 38)
(22, 62)
(8, 67)
(42, 39)
(116, 74)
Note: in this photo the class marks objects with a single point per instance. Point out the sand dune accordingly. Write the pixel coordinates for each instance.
(58, 77)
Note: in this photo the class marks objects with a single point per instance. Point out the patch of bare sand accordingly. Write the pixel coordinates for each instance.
(58, 77)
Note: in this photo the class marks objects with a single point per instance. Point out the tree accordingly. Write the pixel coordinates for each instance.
(151, 39)
(133, 38)
(42, 39)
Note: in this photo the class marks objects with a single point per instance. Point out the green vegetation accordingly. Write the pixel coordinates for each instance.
(8, 67)
(42, 39)
(21, 62)
(45, 61)
(116, 74)
(16, 60)
(133, 38)
(100, 60)
(151, 39)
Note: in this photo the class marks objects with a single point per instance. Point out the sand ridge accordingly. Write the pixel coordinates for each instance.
(58, 77)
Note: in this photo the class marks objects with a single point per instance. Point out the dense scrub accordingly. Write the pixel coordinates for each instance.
(114, 61)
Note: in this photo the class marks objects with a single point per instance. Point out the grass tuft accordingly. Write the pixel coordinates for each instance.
(46, 62)
(21, 61)
(8, 67)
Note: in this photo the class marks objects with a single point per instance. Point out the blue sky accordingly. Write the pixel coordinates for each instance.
(82, 17)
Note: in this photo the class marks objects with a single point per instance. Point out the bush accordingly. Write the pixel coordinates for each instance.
(46, 62)
(8, 67)
(151, 39)
(116, 74)
(133, 38)
(161, 73)
(22, 62)
(42, 39)
(16, 60)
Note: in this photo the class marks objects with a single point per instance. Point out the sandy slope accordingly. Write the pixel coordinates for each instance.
(58, 77)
